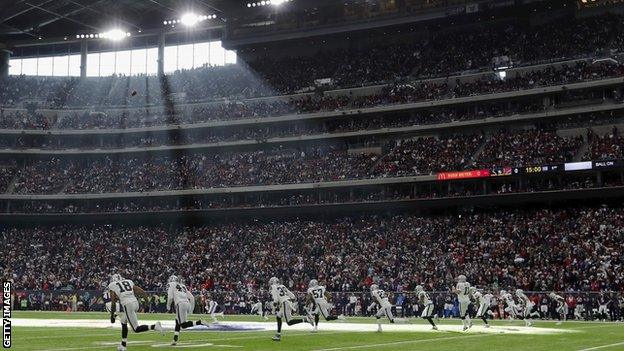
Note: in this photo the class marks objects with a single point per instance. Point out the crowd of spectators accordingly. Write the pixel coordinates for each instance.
(510, 248)
(409, 157)
(403, 157)
(400, 93)
(531, 147)
(429, 155)
(605, 147)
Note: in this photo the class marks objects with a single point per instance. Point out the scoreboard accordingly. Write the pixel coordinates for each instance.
(529, 170)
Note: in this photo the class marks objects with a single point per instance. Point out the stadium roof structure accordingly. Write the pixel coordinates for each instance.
(33, 19)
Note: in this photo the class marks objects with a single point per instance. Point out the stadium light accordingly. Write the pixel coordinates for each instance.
(115, 34)
(189, 19)
(267, 3)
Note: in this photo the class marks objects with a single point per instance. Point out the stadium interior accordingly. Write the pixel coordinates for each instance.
(386, 148)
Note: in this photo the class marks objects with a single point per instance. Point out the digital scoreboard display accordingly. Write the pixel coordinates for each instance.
(529, 170)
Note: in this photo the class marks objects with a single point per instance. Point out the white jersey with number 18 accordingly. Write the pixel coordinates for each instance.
(124, 289)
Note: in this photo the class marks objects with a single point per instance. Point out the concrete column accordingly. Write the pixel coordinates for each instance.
(83, 58)
(4, 63)
(161, 54)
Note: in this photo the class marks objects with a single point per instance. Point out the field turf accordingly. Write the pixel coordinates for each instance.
(572, 335)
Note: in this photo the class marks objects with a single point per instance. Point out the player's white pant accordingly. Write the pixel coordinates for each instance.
(463, 308)
(257, 308)
(322, 308)
(511, 309)
(526, 313)
(428, 311)
(385, 310)
(129, 314)
(285, 311)
(182, 310)
(482, 310)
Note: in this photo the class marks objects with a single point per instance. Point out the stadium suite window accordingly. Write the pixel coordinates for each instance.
(127, 62)
(58, 66)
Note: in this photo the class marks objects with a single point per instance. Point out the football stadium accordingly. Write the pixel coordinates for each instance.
(314, 175)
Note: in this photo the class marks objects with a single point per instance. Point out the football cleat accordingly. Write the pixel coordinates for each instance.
(434, 328)
(276, 337)
(121, 348)
(341, 318)
(174, 343)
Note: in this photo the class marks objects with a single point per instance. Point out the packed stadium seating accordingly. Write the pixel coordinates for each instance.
(48, 167)
(507, 248)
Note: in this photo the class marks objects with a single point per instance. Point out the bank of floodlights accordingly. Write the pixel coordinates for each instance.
(189, 19)
(267, 3)
(113, 34)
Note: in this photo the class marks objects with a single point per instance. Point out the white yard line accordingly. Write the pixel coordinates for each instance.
(603, 346)
(407, 342)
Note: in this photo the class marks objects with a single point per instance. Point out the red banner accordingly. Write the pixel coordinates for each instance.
(480, 173)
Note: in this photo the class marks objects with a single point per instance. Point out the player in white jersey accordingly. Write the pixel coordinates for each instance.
(462, 289)
(211, 308)
(258, 308)
(510, 304)
(428, 307)
(384, 307)
(317, 300)
(124, 290)
(527, 307)
(562, 307)
(283, 305)
(183, 301)
(483, 304)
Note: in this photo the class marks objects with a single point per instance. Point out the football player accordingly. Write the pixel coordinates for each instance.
(528, 307)
(180, 298)
(124, 290)
(510, 304)
(384, 307)
(462, 289)
(483, 302)
(428, 307)
(562, 307)
(283, 306)
(317, 299)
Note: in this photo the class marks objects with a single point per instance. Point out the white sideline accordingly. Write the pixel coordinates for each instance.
(270, 326)
(603, 346)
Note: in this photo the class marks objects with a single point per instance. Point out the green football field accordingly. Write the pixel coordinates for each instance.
(47, 331)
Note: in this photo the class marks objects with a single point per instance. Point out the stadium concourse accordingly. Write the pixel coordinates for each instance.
(390, 175)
